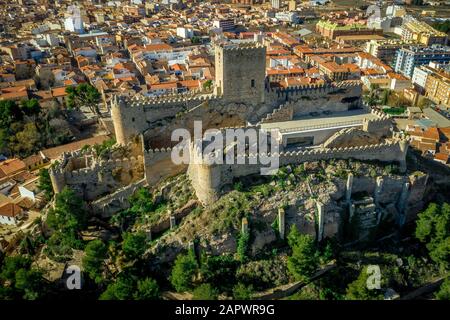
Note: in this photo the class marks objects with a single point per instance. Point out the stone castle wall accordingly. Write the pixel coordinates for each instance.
(335, 97)
(131, 117)
(97, 179)
(159, 165)
(285, 112)
(117, 201)
(157, 118)
(208, 180)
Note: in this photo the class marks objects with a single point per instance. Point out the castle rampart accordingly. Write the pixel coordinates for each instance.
(208, 180)
(159, 165)
(98, 177)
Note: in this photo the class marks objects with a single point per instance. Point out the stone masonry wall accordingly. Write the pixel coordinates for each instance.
(208, 180)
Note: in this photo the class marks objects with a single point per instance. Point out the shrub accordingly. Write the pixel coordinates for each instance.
(183, 272)
(205, 292)
(304, 259)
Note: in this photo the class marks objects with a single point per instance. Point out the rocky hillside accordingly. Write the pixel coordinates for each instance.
(297, 189)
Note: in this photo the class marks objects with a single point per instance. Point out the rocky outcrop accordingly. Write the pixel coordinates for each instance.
(376, 192)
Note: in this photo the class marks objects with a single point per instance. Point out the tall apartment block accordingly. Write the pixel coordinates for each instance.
(409, 58)
(385, 50)
(422, 33)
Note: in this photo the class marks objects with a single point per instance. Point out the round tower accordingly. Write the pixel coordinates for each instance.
(58, 180)
(129, 120)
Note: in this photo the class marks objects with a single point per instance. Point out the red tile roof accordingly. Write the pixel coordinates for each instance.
(10, 210)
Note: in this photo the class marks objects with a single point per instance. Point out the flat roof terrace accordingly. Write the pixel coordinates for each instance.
(313, 123)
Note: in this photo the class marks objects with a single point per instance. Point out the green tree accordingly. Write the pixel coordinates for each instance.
(242, 246)
(67, 218)
(358, 289)
(220, 270)
(442, 26)
(142, 201)
(45, 183)
(147, 289)
(9, 112)
(205, 291)
(19, 280)
(122, 289)
(93, 261)
(68, 214)
(30, 107)
(27, 141)
(207, 85)
(183, 272)
(372, 97)
(83, 95)
(134, 245)
(304, 260)
(242, 292)
(444, 290)
(101, 150)
(60, 244)
(4, 141)
(433, 229)
(385, 97)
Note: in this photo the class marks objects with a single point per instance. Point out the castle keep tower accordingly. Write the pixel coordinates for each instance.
(241, 72)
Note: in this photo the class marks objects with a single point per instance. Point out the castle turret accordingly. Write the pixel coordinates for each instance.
(58, 180)
(129, 121)
(240, 72)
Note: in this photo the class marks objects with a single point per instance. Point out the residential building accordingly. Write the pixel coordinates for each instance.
(292, 5)
(437, 87)
(276, 4)
(10, 213)
(224, 24)
(290, 17)
(421, 32)
(74, 22)
(185, 33)
(419, 77)
(409, 58)
(332, 30)
(385, 50)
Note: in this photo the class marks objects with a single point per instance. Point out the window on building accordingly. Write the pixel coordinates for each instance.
(253, 83)
(132, 119)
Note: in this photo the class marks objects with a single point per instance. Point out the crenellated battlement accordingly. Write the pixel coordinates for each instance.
(209, 179)
(320, 87)
(284, 112)
(242, 46)
(155, 102)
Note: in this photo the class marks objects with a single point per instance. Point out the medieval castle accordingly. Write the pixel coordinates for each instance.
(315, 122)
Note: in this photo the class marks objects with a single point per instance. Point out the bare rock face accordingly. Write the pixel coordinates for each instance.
(315, 185)
(351, 137)
(417, 192)
(225, 243)
(261, 239)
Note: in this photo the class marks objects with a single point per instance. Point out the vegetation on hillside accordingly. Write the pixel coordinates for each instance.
(26, 128)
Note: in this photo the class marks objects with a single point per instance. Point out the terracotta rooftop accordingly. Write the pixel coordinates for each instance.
(10, 210)
(11, 166)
